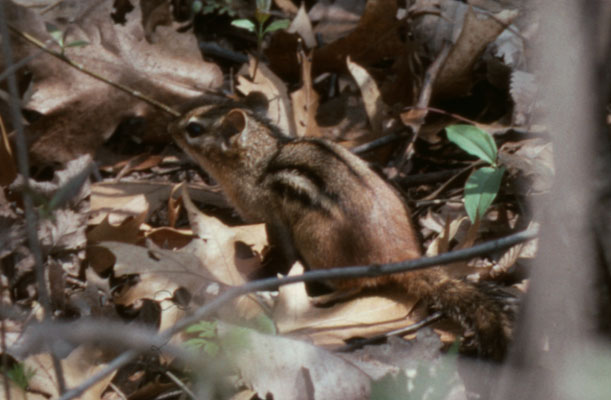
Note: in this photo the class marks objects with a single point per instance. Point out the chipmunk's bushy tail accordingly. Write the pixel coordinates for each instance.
(479, 309)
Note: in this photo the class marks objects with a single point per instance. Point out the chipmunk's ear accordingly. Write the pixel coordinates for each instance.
(234, 123)
(257, 102)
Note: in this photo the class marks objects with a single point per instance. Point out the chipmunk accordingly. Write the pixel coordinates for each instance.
(324, 205)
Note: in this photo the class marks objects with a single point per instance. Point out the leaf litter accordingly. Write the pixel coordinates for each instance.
(113, 246)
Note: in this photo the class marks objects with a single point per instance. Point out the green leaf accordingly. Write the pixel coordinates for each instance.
(56, 33)
(197, 6)
(78, 43)
(202, 327)
(208, 9)
(20, 375)
(277, 25)
(474, 141)
(390, 387)
(265, 324)
(212, 349)
(244, 24)
(480, 190)
(196, 343)
(236, 339)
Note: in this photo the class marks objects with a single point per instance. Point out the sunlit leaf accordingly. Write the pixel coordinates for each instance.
(480, 190)
(55, 33)
(78, 43)
(197, 6)
(277, 25)
(474, 141)
(244, 24)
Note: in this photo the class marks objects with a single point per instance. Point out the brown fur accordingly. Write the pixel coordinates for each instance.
(325, 205)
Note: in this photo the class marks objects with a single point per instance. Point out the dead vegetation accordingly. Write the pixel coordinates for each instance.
(125, 274)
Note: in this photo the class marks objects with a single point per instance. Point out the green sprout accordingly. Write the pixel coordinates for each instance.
(59, 37)
(258, 25)
(219, 7)
(483, 184)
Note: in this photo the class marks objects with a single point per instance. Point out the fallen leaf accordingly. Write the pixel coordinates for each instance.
(118, 201)
(374, 39)
(286, 6)
(82, 363)
(478, 30)
(80, 112)
(293, 369)
(302, 26)
(335, 20)
(279, 110)
(219, 248)
(305, 102)
(371, 95)
(364, 316)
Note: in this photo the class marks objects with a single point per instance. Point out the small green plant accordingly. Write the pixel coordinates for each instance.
(427, 380)
(206, 338)
(59, 37)
(258, 25)
(483, 184)
(20, 375)
(219, 7)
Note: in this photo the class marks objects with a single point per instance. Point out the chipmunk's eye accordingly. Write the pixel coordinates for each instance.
(195, 129)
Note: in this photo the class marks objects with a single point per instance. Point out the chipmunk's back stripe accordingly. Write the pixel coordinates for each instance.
(301, 184)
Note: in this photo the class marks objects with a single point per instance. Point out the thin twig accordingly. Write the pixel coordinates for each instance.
(310, 276)
(4, 355)
(379, 142)
(424, 99)
(181, 385)
(436, 316)
(28, 203)
(118, 391)
(31, 39)
(444, 186)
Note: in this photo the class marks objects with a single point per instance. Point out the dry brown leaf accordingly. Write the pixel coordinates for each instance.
(126, 231)
(80, 112)
(274, 89)
(305, 102)
(375, 38)
(532, 159)
(82, 363)
(374, 106)
(293, 369)
(286, 5)
(302, 26)
(363, 316)
(441, 243)
(336, 19)
(478, 30)
(15, 392)
(118, 201)
(170, 238)
(161, 272)
(229, 253)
